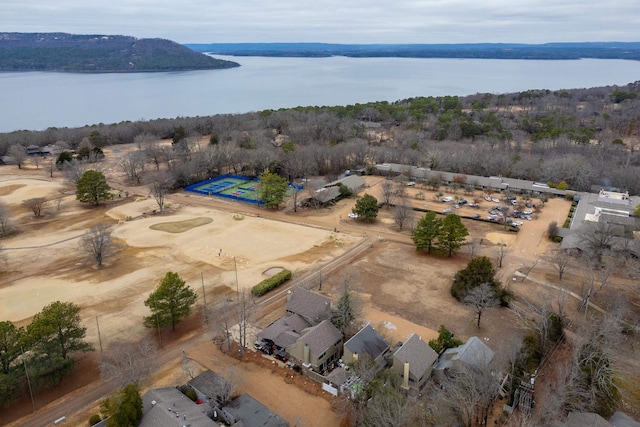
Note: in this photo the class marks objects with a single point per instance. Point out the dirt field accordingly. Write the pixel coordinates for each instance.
(403, 292)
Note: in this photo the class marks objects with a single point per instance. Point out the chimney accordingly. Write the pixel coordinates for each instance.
(306, 356)
(355, 357)
(289, 293)
(405, 383)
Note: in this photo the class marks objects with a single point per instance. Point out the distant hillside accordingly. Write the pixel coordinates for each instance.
(99, 54)
(604, 50)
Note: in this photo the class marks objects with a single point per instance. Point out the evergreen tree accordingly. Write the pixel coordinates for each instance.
(452, 234)
(426, 231)
(170, 302)
(92, 187)
(124, 407)
(273, 189)
(366, 208)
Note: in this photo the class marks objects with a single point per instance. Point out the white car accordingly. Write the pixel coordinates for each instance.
(353, 216)
(410, 184)
(447, 199)
(446, 211)
(487, 198)
(517, 223)
(494, 200)
(527, 211)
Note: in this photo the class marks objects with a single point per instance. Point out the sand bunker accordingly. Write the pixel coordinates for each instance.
(273, 271)
(181, 226)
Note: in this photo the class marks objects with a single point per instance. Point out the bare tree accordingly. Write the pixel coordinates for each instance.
(36, 205)
(73, 170)
(6, 224)
(160, 184)
(529, 269)
(481, 297)
(98, 243)
(132, 165)
(388, 193)
(559, 260)
(474, 246)
(127, 362)
(4, 258)
(596, 238)
(401, 212)
(18, 153)
(501, 253)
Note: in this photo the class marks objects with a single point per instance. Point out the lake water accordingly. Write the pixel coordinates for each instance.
(38, 100)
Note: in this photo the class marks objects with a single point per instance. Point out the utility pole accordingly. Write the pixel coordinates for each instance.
(204, 297)
(235, 266)
(26, 373)
(100, 341)
(155, 306)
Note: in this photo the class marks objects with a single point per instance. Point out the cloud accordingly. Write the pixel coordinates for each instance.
(357, 21)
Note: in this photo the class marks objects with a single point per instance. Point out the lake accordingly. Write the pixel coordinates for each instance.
(38, 100)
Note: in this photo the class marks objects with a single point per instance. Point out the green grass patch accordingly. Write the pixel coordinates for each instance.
(181, 226)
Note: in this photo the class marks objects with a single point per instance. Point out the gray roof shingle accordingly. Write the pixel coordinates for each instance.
(313, 307)
(367, 341)
(320, 337)
(418, 354)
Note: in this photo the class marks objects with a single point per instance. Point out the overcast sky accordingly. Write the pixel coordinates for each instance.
(333, 21)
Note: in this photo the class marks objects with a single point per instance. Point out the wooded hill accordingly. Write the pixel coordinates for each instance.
(99, 54)
(603, 50)
(575, 138)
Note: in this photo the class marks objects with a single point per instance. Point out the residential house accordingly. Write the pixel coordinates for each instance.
(168, 407)
(245, 411)
(367, 342)
(318, 347)
(473, 354)
(209, 387)
(414, 361)
(312, 307)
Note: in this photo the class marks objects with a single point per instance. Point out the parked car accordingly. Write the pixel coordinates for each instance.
(280, 355)
(456, 206)
(476, 216)
(447, 199)
(474, 205)
(514, 202)
(529, 218)
(462, 202)
(411, 184)
(487, 198)
(494, 200)
(446, 211)
(527, 212)
(517, 223)
(353, 216)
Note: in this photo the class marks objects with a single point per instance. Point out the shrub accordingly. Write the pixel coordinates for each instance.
(271, 283)
(567, 223)
(557, 239)
(191, 394)
(95, 419)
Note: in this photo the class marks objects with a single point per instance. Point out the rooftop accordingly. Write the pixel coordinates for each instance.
(474, 353)
(253, 413)
(313, 307)
(418, 354)
(367, 341)
(168, 407)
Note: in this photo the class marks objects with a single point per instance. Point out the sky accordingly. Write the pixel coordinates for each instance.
(332, 21)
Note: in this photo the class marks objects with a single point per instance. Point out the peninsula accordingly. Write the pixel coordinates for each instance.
(99, 54)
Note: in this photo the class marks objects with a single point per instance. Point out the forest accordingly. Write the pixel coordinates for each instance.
(584, 137)
(99, 54)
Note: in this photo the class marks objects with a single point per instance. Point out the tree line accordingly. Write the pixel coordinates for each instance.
(583, 137)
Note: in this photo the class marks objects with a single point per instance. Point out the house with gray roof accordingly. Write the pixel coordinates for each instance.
(318, 347)
(209, 387)
(312, 307)
(352, 182)
(414, 361)
(245, 411)
(473, 354)
(285, 331)
(367, 342)
(168, 407)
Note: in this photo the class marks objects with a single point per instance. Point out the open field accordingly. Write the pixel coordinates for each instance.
(205, 237)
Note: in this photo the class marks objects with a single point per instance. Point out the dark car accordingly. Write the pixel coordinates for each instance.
(280, 355)
(462, 202)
